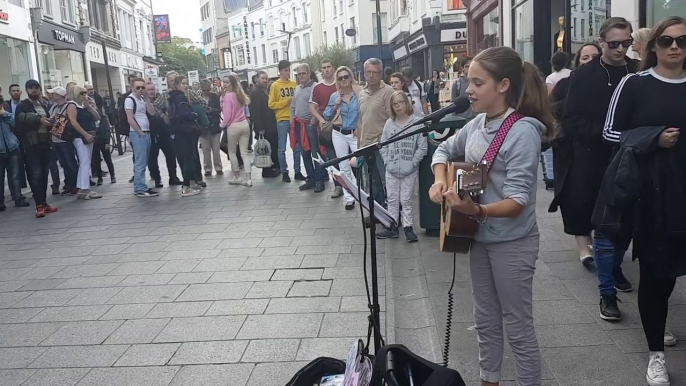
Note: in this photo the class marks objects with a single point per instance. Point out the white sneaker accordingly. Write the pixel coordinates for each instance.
(247, 183)
(188, 191)
(657, 371)
(235, 181)
(670, 339)
(586, 259)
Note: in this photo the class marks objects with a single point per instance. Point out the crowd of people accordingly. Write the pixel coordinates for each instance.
(614, 126)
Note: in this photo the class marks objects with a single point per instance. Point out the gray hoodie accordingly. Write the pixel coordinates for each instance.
(513, 174)
(402, 157)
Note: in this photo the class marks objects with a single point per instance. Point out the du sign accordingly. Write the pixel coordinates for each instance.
(454, 35)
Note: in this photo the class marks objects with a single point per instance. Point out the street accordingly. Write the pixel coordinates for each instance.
(243, 286)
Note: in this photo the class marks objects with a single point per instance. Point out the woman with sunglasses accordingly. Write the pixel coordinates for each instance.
(82, 118)
(649, 105)
(343, 111)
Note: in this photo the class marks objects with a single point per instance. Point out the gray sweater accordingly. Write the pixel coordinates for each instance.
(300, 105)
(513, 174)
(402, 157)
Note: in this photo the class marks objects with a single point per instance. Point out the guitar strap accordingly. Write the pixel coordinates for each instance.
(499, 138)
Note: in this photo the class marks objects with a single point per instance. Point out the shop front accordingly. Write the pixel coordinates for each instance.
(364, 52)
(15, 51)
(432, 48)
(131, 65)
(484, 18)
(542, 27)
(96, 59)
(61, 54)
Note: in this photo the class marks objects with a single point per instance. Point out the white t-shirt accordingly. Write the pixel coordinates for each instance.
(417, 95)
(555, 77)
(140, 115)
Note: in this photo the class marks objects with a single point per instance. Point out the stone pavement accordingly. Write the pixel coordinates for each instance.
(236, 286)
(578, 347)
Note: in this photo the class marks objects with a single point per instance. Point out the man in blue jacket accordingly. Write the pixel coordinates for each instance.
(9, 159)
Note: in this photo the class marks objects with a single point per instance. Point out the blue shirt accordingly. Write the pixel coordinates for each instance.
(350, 112)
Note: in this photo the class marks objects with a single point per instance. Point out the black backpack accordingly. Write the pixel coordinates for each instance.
(393, 360)
(313, 372)
(123, 126)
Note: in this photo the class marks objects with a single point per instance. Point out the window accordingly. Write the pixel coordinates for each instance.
(264, 54)
(335, 10)
(271, 25)
(47, 7)
(342, 35)
(304, 8)
(335, 32)
(322, 10)
(295, 17)
(524, 31)
(308, 49)
(205, 12)
(583, 8)
(67, 11)
(254, 54)
(340, 6)
(296, 44)
(261, 27)
(284, 49)
(98, 15)
(140, 43)
(583, 27)
(240, 56)
(275, 53)
(576, 30)
(384, 28)
(252, 30)
(352, 26)
(326, 43)
(127, 30)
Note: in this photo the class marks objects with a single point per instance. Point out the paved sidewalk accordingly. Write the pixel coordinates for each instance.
(578, 347)
(236, 286)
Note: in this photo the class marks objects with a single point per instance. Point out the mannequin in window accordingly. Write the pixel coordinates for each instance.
(560, 38)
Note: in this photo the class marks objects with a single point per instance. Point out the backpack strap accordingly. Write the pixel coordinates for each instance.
(499, 139)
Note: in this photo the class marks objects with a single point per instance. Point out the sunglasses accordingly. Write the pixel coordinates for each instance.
(140, 87)
(83, 93)
(624, 43)
(667, 41)
(343, 77)
(398, 104)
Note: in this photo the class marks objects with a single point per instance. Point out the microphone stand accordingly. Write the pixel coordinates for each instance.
(369, 154)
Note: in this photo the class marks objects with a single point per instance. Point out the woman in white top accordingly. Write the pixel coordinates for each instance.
(560, 62)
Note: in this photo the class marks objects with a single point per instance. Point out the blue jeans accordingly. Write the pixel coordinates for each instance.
(608, 260)
(10, 163)
(319, 175)
(283, 128)
(67, 156)
(141, 150)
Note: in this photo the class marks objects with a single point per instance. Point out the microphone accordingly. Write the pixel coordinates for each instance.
(458, 106)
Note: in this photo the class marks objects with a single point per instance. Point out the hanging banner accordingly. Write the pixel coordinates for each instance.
(162, 29)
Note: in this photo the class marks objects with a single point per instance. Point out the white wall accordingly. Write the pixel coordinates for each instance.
(362, 10)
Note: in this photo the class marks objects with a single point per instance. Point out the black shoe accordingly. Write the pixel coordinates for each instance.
(621, 283)
(410, 235)
(92, 183)
(113, 180)
(202, 184)
(388, 234)
(350, 205)
(3, 207)
(208, 174)
(286, 178)
(99, 182)
(159, 184)
(23, 197)
(56, 189)
(175, 182)
(306, 186)
(609, 309)
(319, 187)
(21, 203)
(131, 180)
(299, 177)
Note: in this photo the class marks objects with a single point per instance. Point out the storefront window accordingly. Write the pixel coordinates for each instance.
(59, 67)
(14, 62)
(488, 30)
(452, 56)
(659, 10)
(524, 30)
(588, 22)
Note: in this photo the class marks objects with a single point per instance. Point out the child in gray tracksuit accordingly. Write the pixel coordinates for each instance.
(402, 160)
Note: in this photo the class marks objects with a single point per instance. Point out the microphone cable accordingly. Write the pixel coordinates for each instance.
(449, 316)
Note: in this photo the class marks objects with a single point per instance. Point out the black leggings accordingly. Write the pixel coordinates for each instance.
(653, 304)
(186, 150)
(96, 170)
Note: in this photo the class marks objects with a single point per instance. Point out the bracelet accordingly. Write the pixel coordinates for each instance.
(482, 219)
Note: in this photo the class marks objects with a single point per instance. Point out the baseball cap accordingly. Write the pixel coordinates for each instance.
(61, 91)
(32, 83)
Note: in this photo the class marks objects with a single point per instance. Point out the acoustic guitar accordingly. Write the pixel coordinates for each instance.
(458, 229)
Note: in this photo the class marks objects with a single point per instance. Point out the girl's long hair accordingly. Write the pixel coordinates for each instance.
(527, 93)
(241, 96)
(650, 59)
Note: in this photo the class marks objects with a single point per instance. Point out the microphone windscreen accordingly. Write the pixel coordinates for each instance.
(462, 104)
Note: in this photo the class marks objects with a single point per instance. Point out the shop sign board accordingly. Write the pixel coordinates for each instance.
(193, 77)
(454, 35)
(417, 43)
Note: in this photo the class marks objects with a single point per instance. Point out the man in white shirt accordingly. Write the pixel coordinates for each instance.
(419, 101)
(137, 108)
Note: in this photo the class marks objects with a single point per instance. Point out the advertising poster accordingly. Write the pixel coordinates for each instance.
(162, 29)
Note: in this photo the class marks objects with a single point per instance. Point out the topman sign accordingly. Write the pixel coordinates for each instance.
(65, 37)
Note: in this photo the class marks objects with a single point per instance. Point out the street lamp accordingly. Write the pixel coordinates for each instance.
(289, 33)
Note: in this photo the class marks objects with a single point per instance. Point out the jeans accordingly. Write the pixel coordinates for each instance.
(608, 260)
(284, 127)
(66, 154)
(96, 160)
(10, 163)
(161, 142)
(319, 174)
(307, 157)
(55, 172)
(141, 149)
(38, 159)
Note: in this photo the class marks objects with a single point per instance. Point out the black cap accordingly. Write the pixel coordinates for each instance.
(32, 83)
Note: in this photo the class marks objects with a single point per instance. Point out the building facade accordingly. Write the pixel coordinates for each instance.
(103, 53)
(135, 26)
(213, 16)
(17, 58)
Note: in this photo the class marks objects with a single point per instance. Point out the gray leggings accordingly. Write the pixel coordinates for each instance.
(502, 276)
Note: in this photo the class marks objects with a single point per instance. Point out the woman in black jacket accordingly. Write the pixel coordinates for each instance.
(184, 129)
(653, 101)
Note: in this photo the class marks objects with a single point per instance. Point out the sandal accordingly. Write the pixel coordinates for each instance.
(92, 196)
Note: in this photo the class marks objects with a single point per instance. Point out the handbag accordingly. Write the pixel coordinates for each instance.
(326, 131)
(263, 153)
(458, 229)
(62, 128)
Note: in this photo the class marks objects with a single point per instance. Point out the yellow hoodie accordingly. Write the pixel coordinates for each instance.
(280, 96)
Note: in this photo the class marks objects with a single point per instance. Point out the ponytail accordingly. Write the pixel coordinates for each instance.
(533, 100)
